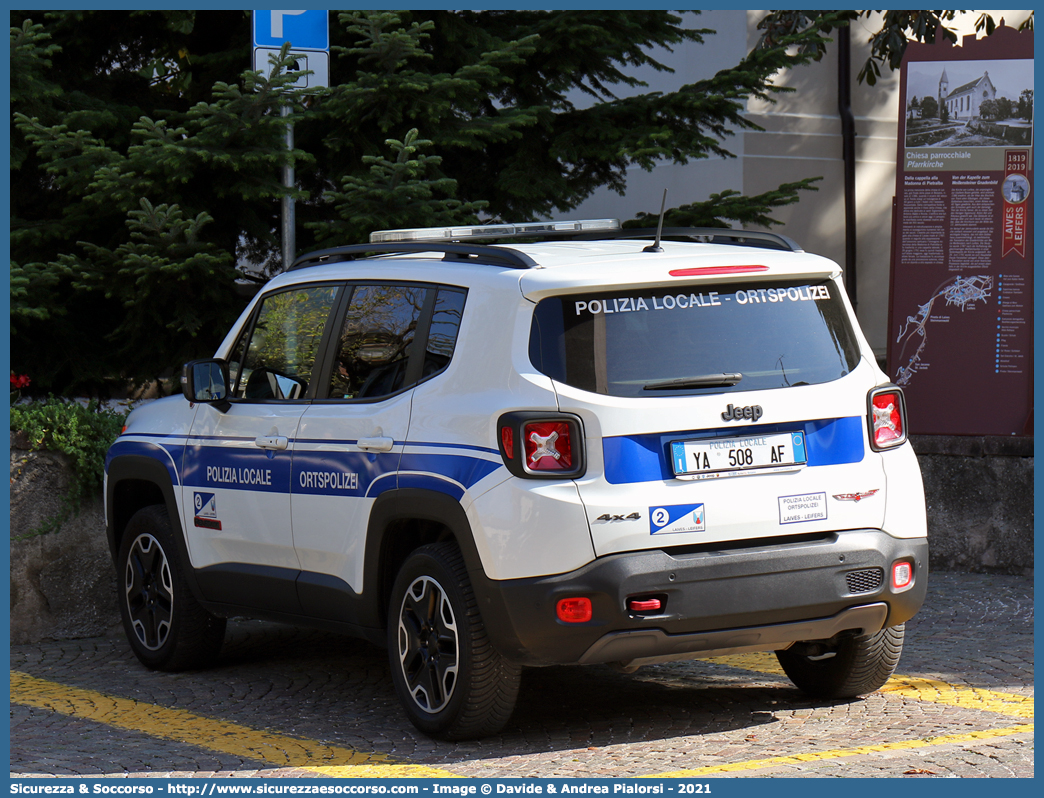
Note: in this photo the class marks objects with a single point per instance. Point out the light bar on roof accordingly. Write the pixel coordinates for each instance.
(492, 231)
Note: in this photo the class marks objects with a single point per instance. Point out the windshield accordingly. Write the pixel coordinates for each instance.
(695, 339)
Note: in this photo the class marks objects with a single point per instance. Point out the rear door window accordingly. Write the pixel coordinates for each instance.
(377, 352)
(652, 342)
(374, 344)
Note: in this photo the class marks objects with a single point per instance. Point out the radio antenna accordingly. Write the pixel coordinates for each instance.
(655, 246)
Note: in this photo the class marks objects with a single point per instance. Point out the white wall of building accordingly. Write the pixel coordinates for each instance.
(697, 180)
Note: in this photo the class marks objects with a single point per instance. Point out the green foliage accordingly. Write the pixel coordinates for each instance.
(404, 192)
(519, 139)
(403, 76)
(82, 433)
(985, 22)
(30, 88)
(887, 44)
(144, 237)
(165, 277)
(32, 291)
(727, 207)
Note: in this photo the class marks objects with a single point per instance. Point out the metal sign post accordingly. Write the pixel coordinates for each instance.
(309, 35)
(289, 222)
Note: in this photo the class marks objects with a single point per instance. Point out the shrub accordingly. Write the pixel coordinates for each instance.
(82, 433)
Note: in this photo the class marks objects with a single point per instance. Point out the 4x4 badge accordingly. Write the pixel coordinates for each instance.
(855, 497)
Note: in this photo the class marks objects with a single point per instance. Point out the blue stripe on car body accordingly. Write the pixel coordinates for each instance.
(305, 471)
(646, 458)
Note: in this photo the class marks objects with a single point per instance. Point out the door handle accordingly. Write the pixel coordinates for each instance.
(376, 444)
(276, 442)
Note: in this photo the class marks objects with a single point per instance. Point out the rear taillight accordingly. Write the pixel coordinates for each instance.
(541, 445)
(507, 441)
(549, 445)
(886, 418)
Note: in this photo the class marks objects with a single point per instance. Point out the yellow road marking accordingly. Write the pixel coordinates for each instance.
(216, 735)
(931, 690)
(282, 751)
(819, 756)
(761, 661)
(1019, 706)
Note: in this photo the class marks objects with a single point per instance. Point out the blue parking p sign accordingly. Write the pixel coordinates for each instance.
(305, 30)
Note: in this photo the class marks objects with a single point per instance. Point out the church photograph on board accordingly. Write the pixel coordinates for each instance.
(969, 103)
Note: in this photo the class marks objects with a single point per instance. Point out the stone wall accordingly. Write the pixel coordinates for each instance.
(979, 493)
(63, 584)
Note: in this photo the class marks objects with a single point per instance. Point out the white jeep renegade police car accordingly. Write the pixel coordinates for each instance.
(595, 450)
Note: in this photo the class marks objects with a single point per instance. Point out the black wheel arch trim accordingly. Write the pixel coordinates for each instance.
(145, 470)
(410, 505)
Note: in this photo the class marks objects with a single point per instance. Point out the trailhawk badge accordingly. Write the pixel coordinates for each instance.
(855, 497)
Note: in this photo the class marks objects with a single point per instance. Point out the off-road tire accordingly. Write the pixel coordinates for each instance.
(166, 627)
(452, 682)
(859, 665)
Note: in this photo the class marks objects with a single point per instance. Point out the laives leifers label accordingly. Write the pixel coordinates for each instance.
(1016, 188)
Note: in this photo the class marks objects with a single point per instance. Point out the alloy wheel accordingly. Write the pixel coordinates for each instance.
(428, 646)
(149, 592)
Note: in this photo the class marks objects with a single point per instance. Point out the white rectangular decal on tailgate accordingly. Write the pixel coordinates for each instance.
(677, 518)
(804, 507)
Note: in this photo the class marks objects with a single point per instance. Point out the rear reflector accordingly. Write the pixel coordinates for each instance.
(902, 574)
(574, 610)
(698, 270)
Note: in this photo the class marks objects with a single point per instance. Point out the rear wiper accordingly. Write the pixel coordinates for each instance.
(701, 381)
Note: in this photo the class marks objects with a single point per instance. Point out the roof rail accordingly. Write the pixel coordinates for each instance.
(474, 253)
(712, 235)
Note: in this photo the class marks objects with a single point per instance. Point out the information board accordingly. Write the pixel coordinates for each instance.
(961, 305)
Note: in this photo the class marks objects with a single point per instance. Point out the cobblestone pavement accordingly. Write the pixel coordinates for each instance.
(284, 702)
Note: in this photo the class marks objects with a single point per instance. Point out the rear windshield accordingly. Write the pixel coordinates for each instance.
(726, 337)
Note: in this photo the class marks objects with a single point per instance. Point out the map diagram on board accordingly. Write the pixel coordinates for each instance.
(960, 291)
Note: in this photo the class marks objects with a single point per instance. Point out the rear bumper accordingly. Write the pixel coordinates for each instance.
(763, 597)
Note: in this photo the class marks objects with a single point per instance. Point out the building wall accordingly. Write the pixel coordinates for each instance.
(696, 180)
(801, 138)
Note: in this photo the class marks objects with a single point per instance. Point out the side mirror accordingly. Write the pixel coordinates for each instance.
(206, 381)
